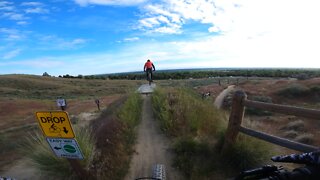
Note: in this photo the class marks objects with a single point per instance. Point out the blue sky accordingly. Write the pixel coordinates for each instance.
(106, 36)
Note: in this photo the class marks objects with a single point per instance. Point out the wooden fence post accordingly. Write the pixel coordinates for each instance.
(235, 119)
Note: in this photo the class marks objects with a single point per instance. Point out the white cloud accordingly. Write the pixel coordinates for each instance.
(37, 10)
(14, 16)
(22, 22)
(58, 43)
(31, 4)
(5, 3)
(11, 54)
(132, 39)
(7, 8)
(109, 2)
(11, 34)
(245, 33)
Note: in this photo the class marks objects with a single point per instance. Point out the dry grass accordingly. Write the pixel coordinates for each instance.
(22, 95)
(305, 138)
(297, 125)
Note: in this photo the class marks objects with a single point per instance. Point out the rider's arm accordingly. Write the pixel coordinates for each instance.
(153, 67)
(144, 68)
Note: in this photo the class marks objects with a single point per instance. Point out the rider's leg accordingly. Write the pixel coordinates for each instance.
(147, 73)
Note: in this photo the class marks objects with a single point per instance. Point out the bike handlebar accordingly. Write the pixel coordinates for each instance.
(272, 172)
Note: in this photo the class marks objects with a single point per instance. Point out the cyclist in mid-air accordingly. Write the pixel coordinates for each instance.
(148, 68)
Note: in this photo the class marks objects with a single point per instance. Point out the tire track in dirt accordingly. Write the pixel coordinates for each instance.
(152, 147)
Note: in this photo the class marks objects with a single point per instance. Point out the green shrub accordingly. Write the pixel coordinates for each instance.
(294, 90)
(290, 134)
(130, 113)
(161, 109)
(305, 138)
(183, 112)
(197, 160)
(38, 151)
(198, 128)
(247, 152)
(259, 112)
(315, 89)
(116, 135)
(294, 125)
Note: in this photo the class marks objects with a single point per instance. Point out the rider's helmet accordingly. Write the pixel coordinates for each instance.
(148, 60)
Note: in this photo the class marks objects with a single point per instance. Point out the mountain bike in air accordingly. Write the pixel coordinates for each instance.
(310, 170)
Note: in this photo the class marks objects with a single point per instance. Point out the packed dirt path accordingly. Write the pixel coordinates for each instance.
(218, 102)
(152, 147)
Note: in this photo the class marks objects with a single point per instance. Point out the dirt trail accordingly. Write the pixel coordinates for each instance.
(219, 99)
(152, 148)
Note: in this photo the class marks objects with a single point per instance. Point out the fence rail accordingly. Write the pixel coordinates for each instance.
(239, 103)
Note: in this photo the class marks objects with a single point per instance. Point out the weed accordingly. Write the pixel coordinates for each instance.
(161, 109)
(290, 134)
(297, 125)
(294, 90)
(259, 112)
(196, 159)
(246, 153)
(199, 129)
(115, 133)
(305, 138)
(38, 151)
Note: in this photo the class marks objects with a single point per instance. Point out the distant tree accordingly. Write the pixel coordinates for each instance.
(45, 74)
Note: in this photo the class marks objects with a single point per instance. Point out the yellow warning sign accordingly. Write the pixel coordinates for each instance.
(55, 124)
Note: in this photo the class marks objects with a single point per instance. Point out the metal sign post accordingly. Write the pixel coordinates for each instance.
(56, 126)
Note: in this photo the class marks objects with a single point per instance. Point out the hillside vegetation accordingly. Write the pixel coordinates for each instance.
(22, 95)
(39, 87)
(197, 128)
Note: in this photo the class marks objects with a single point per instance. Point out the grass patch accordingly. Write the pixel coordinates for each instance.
(305, 138)
(198, 131)
(295, 126)
(106, 151)
(116, 134)
(294, 90)
(259, 112)
(42, 158)
(38, 87)
(246, 153)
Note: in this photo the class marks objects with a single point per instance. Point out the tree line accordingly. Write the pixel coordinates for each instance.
(206, 73)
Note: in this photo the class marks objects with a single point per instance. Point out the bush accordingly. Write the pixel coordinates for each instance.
(259, 112)
(295, 126)
(161, 109)
(290, 134)
(184, 113)
(305, 138)
(197, 160)
(199, 130)
(116, 135)
(294, 90)
(247, 152)
(38, 151)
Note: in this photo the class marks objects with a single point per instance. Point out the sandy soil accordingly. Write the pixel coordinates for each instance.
(152, 148)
